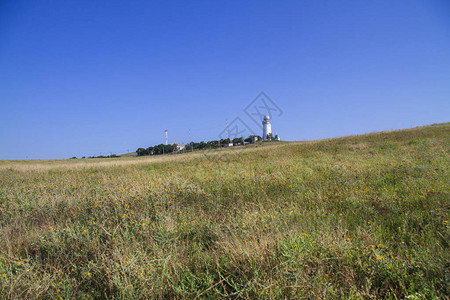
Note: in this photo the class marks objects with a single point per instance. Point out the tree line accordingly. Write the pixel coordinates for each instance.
(164, 149)
(156, 150)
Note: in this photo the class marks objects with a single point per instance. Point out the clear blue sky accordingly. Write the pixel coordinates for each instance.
(82, 78)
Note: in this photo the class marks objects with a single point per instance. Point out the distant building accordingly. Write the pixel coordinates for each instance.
(277, 137)
(228, 145)
(254, 139)
(178, 147)
(267, 127)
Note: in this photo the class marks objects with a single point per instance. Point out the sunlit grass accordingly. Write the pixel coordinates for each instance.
(363, 216)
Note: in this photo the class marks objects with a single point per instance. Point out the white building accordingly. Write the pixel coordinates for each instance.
(267, 127)
(178, 147)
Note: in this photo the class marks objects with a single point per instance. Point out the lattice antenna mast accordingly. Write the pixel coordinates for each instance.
(226, 126)
(192, 148)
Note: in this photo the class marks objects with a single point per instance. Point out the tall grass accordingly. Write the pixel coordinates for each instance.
(354, 217)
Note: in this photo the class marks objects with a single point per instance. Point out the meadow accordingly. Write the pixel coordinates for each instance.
(359, 217)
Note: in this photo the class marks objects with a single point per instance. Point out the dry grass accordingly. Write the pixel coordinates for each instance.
(356, 217)
(48, 164)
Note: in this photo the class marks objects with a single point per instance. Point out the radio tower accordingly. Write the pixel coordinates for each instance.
(166, 135)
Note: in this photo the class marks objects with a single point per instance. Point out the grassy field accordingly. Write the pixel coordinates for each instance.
(355, 217)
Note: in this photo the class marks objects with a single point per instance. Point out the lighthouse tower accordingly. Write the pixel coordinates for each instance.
(267, 127)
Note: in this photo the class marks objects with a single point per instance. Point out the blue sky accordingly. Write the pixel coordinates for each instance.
(82, 78)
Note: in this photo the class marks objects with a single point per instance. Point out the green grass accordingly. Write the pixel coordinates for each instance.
(131, 154)
(355, 217)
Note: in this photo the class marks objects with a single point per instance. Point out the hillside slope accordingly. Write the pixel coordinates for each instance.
(361, 216)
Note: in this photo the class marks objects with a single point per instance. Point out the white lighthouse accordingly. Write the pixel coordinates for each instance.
(267, 128)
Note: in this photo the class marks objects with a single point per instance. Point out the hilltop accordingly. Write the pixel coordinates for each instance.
(359, 217)
(436, 130)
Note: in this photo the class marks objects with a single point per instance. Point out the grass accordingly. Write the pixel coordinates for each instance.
(354, 217)
(130, 154)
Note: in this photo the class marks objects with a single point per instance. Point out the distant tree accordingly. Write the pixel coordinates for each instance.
(212, 144)
(141, 151)
(225, 141)
(169, 148)
(270, 137)
(248, 140)
(236, 141)
(202, 145)
(159, 149)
